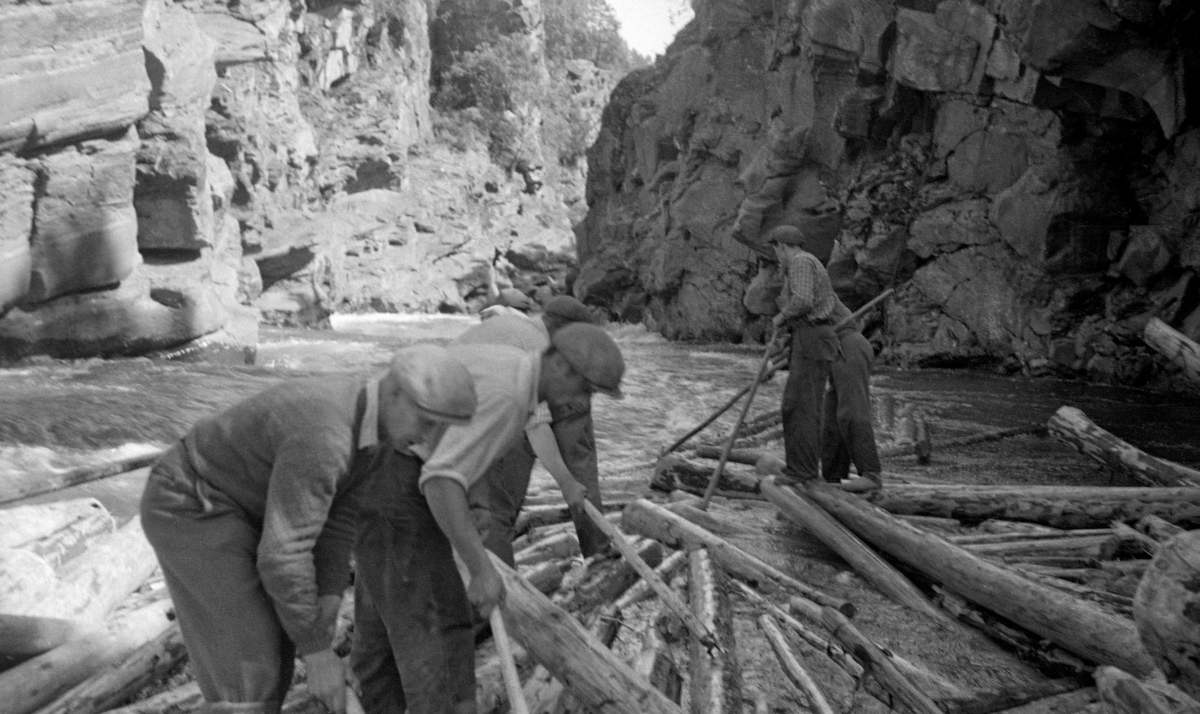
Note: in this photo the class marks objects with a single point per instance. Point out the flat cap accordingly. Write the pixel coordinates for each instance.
(567, 309)
(440, 385)
(593, 354)
(511, 297)
(788, 235)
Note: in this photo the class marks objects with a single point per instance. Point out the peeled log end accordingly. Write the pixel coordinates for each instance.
(1167, 611)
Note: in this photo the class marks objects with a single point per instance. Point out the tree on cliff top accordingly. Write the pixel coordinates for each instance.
(588, 29)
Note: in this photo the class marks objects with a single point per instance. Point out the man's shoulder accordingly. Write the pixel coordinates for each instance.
(519, 331)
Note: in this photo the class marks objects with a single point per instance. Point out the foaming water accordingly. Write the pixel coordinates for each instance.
(56, 416)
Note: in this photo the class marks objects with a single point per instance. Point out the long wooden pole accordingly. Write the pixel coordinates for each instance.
(774, 366)
(508, 666)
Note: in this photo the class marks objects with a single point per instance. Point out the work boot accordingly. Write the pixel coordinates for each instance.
(865, 484)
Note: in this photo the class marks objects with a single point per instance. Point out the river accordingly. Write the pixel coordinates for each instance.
(57, 415)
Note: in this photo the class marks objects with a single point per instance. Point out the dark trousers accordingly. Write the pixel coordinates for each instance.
(849, 435)
(813, 350)
(239, 653)
(507, 484)
(413, 645)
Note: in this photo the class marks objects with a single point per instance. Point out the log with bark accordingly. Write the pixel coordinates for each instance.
(588, 669)
(1011, 537)
(655, 662)
(910, 448)
(556, 547)
(39, 681)
(1071, 702)
(178, 700)
(865, 561)
(1066, 507)
(792, 667)
(1072, 426)
(656, 522)
(1165, 608)
(94, 583)
(1157, 528)
(20, 526)
(120, 680)
(1126, 544)
(1173, 345)
(675, 472)
(708, 521)
(532, 517)
(73, 539)
(22, 636)
(605, 581)
(540, 533)
(1081, 627)
(18, 486)
(714, 677)
(1126, 694)
(1086, 546)
(26, 579)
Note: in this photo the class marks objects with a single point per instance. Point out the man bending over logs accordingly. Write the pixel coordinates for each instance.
(252, 516)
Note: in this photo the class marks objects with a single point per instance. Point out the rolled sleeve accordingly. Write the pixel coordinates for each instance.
(464, 452)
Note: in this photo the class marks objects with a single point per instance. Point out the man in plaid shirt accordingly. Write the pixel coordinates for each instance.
(806, 308)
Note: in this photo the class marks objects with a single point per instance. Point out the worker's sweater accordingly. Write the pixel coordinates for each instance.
(290, 459)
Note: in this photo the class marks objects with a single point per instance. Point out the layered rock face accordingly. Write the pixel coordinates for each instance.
(1022, 171)
(171, 172)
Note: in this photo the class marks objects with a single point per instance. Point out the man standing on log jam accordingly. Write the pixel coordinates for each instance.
(560, 435)
(806, 310)
(252, 516)
(849, 434)
(414, 647)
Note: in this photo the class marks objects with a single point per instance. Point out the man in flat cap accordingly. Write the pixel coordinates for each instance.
(413, 640)
(510, 301)
(253, 513)
(849, 432)
(560, 435)
(806, 311)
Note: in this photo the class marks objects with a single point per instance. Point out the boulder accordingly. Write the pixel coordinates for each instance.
(85, 228)
(172, 199)
(931, 57)
(69, 70)
(1145, 257)
(950, 227)
(16, 217)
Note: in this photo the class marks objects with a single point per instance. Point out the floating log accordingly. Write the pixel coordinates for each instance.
(25, 580)
(1071, 702)
(1072, 426)
(792, 667)
(1056, 506)
(73, 539)
(94, 583)
(184, 698)
(605, 582)
(543, 692)
(1173, 345)
(23, 636)
(1164, 610)
(39, 681)
(1088, 546)
(1126, 543)
(997, 526)
(1018, 536)
(15, 487)
(540, 533)
(1126, 694)
(1080, 627)
(737, 456)
(911, 448)
(532, 517)
(708, 521)
(22, 525)
(588, 669)
(675, 472)
(642, 589)
(865, 561)
(654, 662)
(555, 547)
(1157, 528)
(121, 680)
(656, 522)
(546, 577)
(715, 685)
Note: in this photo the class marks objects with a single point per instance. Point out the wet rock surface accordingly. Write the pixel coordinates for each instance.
(1024, 192)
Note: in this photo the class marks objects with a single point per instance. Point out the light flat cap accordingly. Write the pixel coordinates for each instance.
(788, 235)
(438, 384)
(567, 309)
(593, 354)
(511, 297)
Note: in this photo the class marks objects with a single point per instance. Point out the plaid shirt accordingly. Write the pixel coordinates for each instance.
(806, 288)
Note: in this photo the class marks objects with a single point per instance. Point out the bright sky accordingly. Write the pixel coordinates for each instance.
(646, 24)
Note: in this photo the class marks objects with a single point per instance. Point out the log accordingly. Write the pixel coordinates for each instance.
(1157, 528)
(556, 547)
(588, 669)
(532, 517)
(1173, 345)
(1013, 537)
(656, 522)
(618, 539)
(737, 456)
(1066, 507)
(1082, 546)
(1164, 609)
(642, 589)
(1072, 426)
(22, 525)
(708, 521)
(490, 692)
(792, 667)
(547, 577)
(22, 636)
(121, 680)
(994, 525)
(540, 533)
(675, 472)
(15, 487)
(73, 539)
(1126, 543)
(865, 561)
(1079, 627)
(184, 698)
(910, 448)
(1126, 694)
(655, 663)
(25, 580)
(543, 692)
(38, 681)
(714, 678)
(1070, 702)
(607, 580)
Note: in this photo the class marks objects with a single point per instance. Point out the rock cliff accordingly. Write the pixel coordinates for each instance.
(174, 171)
(1023, 171)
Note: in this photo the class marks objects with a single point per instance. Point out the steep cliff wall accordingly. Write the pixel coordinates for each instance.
(1023, 170)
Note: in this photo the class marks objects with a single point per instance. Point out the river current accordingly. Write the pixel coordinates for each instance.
(58, 415)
